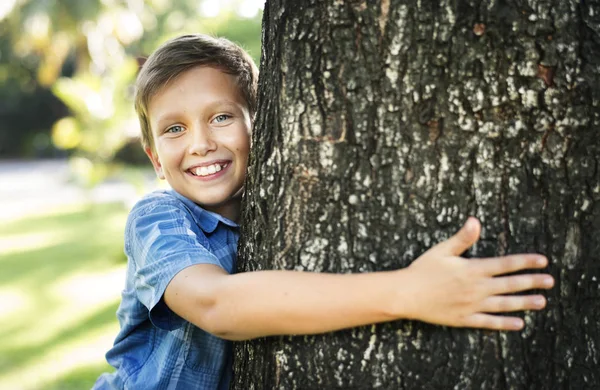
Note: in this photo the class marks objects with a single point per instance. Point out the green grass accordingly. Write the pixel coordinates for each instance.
(59, 289)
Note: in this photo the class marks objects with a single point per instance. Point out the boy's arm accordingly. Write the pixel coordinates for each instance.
(439, 287)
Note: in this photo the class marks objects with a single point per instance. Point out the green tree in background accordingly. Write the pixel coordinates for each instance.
(67, 68)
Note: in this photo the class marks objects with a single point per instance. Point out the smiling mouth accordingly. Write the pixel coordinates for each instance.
(208, 170)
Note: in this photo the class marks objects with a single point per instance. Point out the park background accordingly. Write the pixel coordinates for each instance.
(71, 167)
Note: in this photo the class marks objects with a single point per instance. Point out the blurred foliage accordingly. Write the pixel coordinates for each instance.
(67, 68)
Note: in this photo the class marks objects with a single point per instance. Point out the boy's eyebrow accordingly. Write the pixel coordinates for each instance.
(168, 117)
(175, 116)
(223, 102)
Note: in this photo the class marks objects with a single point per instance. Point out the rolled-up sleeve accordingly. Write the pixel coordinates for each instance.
(164, 239)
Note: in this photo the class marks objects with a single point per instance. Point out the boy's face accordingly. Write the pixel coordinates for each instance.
(201, 129)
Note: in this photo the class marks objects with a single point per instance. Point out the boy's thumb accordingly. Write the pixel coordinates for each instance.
(465, 237)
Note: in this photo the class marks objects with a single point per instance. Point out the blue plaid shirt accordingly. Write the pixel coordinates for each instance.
(155, 348)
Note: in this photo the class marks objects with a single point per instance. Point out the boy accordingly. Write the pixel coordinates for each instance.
(195, 99)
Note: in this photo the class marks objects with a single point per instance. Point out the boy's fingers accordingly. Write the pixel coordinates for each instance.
(507, 264)
(501, 304)
(494, 322)
(517, 283)
(462, 240)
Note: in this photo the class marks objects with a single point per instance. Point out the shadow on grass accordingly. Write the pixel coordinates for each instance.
(81, 378)
(15, 357)
(91, 237)
(86, 241)
(78, 252)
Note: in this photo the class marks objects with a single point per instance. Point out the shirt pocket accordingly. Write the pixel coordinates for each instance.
(206, 353)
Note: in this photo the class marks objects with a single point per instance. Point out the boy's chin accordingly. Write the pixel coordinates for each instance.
(219, 200)
(230, 209)
(208, 203)
(239, 193)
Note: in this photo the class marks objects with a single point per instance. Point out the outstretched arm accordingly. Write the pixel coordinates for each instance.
(439, 287)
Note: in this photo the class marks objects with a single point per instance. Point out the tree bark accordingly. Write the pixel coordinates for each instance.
(381, 126)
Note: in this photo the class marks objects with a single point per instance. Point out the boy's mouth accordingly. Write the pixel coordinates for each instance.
(208, 170)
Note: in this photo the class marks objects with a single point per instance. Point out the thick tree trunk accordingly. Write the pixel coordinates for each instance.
(381, 127)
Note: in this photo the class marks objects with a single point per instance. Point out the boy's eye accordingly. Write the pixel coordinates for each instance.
(174, 129)
(221, 118)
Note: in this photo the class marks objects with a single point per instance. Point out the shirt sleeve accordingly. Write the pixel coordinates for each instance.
(164, 240)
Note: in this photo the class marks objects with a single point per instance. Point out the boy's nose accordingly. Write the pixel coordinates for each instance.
(202, 142)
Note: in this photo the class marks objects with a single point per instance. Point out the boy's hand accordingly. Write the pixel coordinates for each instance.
(451, 290)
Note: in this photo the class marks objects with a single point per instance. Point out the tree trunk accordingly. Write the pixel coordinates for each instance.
(381, 127)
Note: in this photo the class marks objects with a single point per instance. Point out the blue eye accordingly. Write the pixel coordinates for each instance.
(221, 118)
(174, 129)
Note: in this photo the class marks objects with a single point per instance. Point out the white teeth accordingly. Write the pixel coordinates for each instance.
(207, 170)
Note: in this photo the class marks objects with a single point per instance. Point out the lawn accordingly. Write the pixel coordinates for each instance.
(60, 284)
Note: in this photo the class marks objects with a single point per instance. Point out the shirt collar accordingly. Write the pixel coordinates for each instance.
(207, 220)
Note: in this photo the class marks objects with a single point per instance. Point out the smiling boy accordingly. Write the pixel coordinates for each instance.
(201, 134)
(195, 98)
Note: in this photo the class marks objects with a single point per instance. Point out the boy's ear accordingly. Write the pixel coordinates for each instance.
(155, 162)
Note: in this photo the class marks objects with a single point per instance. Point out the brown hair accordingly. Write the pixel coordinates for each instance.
(185, 52)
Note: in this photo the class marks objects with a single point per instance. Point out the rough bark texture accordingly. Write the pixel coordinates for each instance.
(381, 127)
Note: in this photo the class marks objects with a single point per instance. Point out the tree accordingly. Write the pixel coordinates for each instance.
(381, 127)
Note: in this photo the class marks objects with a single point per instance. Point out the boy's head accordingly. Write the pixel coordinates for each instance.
(195, 98)
(183, 53)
